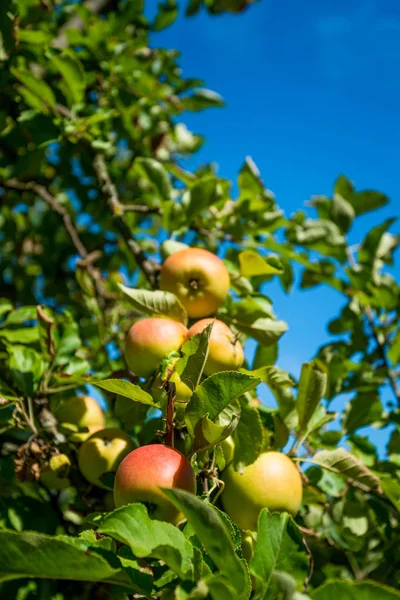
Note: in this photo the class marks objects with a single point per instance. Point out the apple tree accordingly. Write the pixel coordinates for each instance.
(128, 277)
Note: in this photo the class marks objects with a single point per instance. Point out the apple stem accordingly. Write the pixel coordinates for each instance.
(169, 428)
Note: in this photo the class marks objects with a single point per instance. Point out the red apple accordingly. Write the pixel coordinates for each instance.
(225, 352)
(144, 471)
(272, 482)
(198, 278)
(149, 340)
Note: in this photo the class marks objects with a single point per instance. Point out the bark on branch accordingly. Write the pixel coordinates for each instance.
(149, 267)
(87, 258)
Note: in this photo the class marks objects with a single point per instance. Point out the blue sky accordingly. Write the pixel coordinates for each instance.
(312, 90)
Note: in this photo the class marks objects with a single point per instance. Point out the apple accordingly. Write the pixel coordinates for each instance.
(102, 453)
(83, 412)
(198, 278)
(228, 449)
(54, 474)
(183, 393)
(225, 352)
(149, 340)
(147, 469)
(272, 482)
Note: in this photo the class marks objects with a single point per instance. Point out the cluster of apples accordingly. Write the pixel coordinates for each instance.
(201, 282)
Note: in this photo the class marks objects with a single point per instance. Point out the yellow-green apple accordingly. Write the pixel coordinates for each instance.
(83, 412)
(228, 449)
(225, 352)
(183, 393)
(149, 340)
(102, 453)
(198, 278)
(147, 469)
(272, 482)
(54, 474)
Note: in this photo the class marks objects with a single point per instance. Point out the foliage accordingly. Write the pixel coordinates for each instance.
(93, 195)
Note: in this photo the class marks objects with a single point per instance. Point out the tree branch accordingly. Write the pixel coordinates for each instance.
(382, 351)
(149, 267)
(58, 208)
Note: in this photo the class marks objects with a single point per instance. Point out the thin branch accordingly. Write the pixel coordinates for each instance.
(149, 267)
(382, 351)
(143, 209)
(381, 347)
(58, 208)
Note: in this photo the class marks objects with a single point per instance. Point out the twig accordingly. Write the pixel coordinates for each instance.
(311, 564)
(28, 417)
(382, 351)
(55, 205)
(149, 267)
(139, 208)
(169, 426)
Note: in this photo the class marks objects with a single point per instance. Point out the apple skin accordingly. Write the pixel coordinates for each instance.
(272, 482)
(228, 449)
(198, 278)
(147, 469)
(149, 340)
(183, 393)
(225, 353)
(82, 411)
(102, 453)
(54, 474)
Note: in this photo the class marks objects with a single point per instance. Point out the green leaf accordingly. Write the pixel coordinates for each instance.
(156, 175)
(29, 36)
(201, 99)
(354, 590)
(208, 433)
(5, 306)
(167, 13)
(204, 193)
(37, 555)
(214, 394)
(364, 409)
(265, 356)
(127, 390)
(279, 547)
(343, 462)
(73, 73)
(194, 355)
(26, 366)
(252, 264)
(264, 331)
(170, 247)
(19, 316)
(394, 349)
(391, 489)
(36, 86)
(132, 526)
(342, 213)
(369, 247)
(8, 15)
(248, 436)
(156, 303)
(311, 390)
(361, 202)
(23, 335)
(214, 536)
